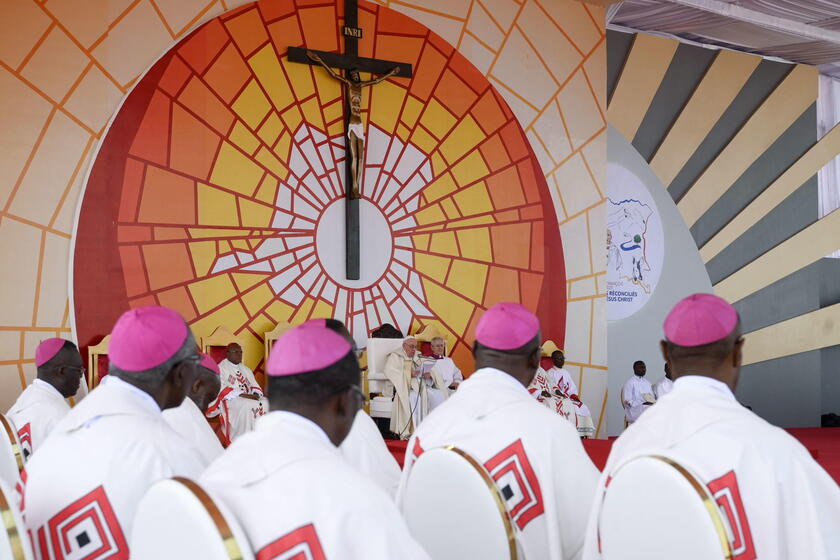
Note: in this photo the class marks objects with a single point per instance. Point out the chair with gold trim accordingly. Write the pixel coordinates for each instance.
(424, 339)
(14, 542)
(98, 362)
(673, 513)
(11, 454)
(447, 486)
(178, 519)
(548, 348)
(216, 343)
(271, 336)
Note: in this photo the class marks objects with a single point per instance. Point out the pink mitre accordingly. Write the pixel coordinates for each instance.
(146, 337)
(507, 326)
(306, 348)
(209, 363)
(47, 350)
(700, 319)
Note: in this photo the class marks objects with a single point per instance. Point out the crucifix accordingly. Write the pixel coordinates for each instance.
(353, 65)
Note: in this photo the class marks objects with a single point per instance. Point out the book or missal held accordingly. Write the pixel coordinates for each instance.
(649, 398)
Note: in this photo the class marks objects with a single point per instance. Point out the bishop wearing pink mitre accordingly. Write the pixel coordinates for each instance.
(535, 456)
(776, 501)
(41, 405)
(84, 482)
(286, 481)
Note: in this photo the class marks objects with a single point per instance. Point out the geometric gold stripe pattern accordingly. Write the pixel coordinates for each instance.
(646, 65)
(820, 154)
(811, 331)
(795, 94)
(724, 79)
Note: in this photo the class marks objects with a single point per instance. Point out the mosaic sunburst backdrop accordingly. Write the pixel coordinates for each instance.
(218, 189)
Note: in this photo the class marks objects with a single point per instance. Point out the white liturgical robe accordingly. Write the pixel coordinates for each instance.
(534, 455)
(449, 372)
(238, 415)
(35, 413)
(662, 387)
(560, 388)
(777, 501)
(365, 449)
(414, 397)
(188, 421)
(84, 483)
(296, 496)
(634, 394)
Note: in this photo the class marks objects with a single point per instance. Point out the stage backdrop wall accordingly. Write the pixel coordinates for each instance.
(732, 139)
(167, 152)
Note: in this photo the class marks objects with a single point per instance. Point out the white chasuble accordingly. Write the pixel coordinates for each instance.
(559, 399)
(35, 413)
(296, 496)
(188, 421)
(535, 457)
(365, 450)
(635, 393)
(413, 396)
(83, 485)
(778, 503)
(237, 413)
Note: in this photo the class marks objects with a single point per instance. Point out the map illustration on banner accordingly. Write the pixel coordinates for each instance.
(635, 246)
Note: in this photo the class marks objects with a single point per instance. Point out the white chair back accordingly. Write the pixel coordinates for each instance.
(11, 456)
(377, 353)
(178, 519)
(654, 508)
(14, 542)
(454, 509)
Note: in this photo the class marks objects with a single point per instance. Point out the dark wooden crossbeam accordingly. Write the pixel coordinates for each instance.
(349, 62)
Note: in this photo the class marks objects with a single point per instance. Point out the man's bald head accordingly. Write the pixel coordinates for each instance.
(234, 353)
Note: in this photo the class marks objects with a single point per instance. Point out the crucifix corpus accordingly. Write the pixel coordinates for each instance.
(353, 65)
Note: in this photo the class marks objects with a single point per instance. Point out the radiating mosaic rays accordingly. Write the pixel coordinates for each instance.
(238, 153)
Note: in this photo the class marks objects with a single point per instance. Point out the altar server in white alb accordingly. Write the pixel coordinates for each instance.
(364, 447)
(637, 394)
(39, 408)
(777, 502)
(84, 482)
(534, 455)
(664, 385)
(449, 372)
(288, 484)
(417, 388)
(241, 400)
(189, 420)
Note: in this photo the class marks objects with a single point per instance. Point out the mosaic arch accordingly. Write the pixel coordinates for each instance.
(218, 189)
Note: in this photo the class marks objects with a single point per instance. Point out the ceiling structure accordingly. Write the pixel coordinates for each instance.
(806, 31)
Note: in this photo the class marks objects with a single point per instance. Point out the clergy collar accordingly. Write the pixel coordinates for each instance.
(704, 381)
(47, 387)
(117, 383)
(506, 377)
(277, 416)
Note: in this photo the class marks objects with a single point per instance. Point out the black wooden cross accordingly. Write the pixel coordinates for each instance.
(352, 64)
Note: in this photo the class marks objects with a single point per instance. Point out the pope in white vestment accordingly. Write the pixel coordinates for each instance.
(777, 502)
(241, 400)
(84, 483)
(534, 456)
(189, 421)
(637, 393)
(417, 388)
(287, 482)
(41, 405)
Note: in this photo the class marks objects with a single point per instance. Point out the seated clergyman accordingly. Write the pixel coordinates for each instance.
(241, 400)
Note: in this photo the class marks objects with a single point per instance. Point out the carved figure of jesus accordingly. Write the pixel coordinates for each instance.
(355, 129)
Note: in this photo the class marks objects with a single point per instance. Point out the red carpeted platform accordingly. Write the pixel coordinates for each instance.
(823, 443)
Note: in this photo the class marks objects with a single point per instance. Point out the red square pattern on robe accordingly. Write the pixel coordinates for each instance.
(517, 482)
(87, 529)
(25, 437)
(728, 497)
(300, 544)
